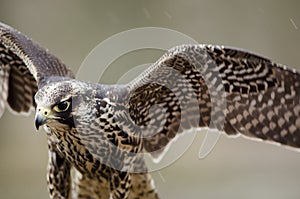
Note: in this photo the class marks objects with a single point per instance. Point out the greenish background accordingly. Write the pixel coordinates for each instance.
(236, 168)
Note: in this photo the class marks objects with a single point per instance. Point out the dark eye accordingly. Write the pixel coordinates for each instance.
(62, 106)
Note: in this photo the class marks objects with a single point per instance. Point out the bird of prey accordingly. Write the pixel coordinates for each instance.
(97, 134)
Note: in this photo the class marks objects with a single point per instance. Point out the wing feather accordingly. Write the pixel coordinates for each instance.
(217, 87)
(24, 67)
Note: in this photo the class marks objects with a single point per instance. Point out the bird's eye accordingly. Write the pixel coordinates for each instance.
(62, 106)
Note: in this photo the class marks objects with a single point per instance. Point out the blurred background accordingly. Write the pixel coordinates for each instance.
(236, 168)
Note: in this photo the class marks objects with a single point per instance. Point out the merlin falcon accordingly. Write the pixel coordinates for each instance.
(98, 134)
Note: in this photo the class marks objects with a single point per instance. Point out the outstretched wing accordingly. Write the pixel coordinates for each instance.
(217, 87)
(24, 67)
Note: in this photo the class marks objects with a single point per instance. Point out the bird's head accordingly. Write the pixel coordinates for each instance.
(57, 102)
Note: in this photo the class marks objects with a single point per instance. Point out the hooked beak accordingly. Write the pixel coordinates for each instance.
(41, 117)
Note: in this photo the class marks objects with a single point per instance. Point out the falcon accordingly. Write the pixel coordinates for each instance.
(98, 134)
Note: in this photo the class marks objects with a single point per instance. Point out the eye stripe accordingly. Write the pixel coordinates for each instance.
(68, 98)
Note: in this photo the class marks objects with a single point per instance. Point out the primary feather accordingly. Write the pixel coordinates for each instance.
(101, 131)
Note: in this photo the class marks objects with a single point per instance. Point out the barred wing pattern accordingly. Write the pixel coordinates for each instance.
(218, 87)
(190, 86)
(25, 67)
